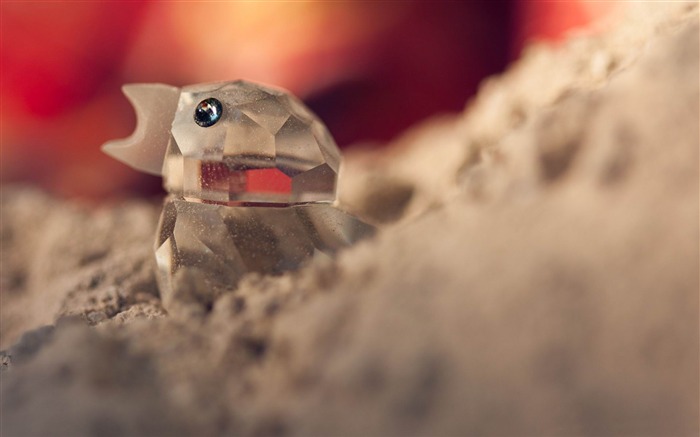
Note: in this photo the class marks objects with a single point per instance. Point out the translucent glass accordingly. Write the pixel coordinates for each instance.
(204, 249)
(155, 106)
(252, 175)
(267, 148)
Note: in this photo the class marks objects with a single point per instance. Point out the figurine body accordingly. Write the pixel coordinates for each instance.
(251, 174)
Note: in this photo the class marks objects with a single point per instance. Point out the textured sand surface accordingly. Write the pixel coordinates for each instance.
(536, 273)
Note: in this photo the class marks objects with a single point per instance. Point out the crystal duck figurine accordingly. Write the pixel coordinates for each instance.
(251, 175)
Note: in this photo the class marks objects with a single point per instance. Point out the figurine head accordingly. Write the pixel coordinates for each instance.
(230, 143)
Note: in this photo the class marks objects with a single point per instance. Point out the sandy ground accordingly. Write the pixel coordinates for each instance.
(536, 273)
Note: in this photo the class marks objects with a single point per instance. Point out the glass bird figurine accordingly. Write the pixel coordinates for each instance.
(251, 175)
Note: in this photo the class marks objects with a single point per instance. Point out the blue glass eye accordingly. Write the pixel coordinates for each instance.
(208, 112)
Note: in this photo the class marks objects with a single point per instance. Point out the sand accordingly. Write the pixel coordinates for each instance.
(535, 273)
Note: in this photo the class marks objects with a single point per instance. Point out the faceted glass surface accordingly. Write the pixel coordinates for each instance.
(252, 175)
(204, 249)
(266, 148)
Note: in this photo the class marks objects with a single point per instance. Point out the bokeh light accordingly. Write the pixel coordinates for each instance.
(369, 70)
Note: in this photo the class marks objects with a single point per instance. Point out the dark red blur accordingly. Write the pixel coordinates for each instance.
(369, 70)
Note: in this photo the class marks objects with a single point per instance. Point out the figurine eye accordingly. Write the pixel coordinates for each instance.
(208, 112)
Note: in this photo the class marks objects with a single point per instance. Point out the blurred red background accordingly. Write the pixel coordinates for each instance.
(368, 69)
